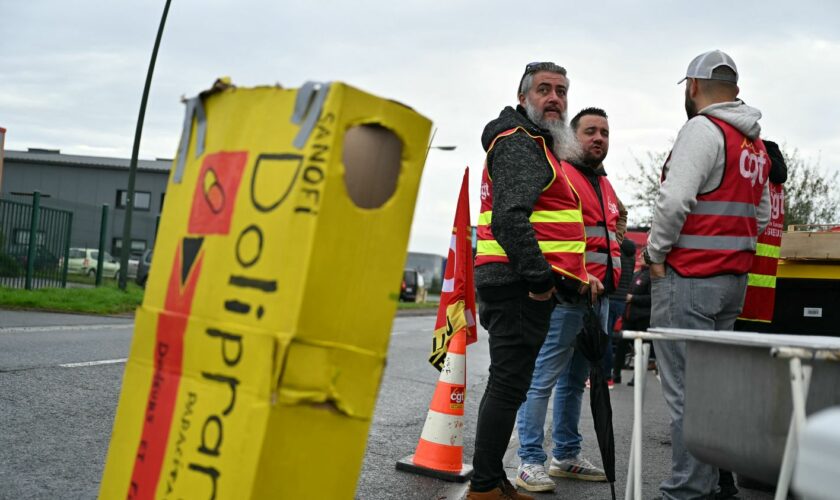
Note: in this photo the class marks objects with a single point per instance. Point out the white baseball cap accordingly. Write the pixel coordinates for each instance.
(703, 65)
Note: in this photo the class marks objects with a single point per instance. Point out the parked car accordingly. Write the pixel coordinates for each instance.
(84, 261)
(44, 259)
(133, 263)
(143, 266)
(413, 288)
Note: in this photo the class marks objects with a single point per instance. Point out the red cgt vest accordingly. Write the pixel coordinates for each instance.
(600, 219)
(556, 219)
(719, 234)
(760, 300)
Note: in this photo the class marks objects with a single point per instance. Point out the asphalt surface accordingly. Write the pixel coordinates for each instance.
(403, 403)
(56, 413)
(55, 421)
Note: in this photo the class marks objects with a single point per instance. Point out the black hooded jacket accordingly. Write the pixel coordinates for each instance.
(520, 171)
(778, 167)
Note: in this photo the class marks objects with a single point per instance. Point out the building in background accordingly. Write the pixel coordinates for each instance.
(430, 266)
(81, 184)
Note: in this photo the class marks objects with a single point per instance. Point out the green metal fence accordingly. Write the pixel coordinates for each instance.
(34, 244)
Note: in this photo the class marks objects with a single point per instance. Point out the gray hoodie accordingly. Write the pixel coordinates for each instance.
(696, 166)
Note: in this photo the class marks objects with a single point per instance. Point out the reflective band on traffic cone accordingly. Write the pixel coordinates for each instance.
(441, 447)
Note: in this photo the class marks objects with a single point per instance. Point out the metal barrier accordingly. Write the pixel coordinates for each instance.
(800, 350)
(34, 244)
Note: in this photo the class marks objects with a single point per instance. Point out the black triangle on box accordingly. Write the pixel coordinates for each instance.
(190, 249)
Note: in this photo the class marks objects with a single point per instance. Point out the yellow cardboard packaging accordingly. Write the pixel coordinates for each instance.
(259, 348)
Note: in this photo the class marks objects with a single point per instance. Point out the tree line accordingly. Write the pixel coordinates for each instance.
(811, 196)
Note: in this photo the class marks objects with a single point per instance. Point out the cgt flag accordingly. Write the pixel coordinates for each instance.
(457, 298)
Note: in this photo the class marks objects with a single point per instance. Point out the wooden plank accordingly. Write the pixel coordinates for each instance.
(810, 245)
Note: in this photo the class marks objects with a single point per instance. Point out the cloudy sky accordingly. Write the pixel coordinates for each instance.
(72, 73)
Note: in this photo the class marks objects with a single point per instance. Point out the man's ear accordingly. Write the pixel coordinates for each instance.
(693, 87)
(522, 100)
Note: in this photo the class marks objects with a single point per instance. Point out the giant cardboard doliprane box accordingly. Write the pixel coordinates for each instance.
(259, 348)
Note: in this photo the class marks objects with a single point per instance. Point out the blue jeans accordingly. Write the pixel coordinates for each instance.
(696, 303)
(564, 369)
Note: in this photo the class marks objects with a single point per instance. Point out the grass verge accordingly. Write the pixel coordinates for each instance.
(107, 299)
(417, 305)
(103, 300)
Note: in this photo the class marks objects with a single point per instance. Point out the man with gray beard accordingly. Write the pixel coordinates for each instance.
(530, 254)
(559, 366)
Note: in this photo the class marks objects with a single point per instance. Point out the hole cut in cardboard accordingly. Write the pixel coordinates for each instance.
(372, 158)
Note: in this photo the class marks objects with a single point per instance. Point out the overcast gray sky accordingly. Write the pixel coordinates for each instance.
(72, 73)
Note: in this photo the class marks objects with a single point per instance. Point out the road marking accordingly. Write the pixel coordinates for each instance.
(406, 332)
(63, 328)
(94, 363)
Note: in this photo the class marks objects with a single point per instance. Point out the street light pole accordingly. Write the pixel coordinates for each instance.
(132, 168)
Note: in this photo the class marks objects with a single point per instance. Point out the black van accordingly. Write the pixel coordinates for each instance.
(412, 289)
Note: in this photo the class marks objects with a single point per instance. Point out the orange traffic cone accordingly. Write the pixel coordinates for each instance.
(440, 450)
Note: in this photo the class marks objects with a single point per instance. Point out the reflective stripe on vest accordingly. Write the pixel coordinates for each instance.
(485, 218)
(719, 234)
(598, 257)
(724, 208)
(599, 231)
(765, 250)
(716, 242)
(761, 280)
(601, 258)
(492, 247)
(556, 220)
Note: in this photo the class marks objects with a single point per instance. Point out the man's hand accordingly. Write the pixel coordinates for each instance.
(629, 298)
(542, 297)
(657, 271)
(595, 288)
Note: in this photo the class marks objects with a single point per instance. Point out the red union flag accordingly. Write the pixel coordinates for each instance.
(457, 298)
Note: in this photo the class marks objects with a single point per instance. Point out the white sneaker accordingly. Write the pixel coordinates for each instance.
(532, 477)
(576, 468)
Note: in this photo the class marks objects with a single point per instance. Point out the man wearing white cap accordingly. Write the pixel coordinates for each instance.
(712, 204)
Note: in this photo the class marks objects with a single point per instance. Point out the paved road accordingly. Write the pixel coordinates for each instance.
(56, 412)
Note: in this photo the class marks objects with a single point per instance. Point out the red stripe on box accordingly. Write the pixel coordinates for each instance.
(160, 405)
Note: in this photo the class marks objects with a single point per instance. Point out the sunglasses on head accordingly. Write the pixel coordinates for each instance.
(533, 67)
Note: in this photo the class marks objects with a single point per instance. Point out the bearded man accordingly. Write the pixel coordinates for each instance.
(530, 252)
(712, 205)
(559, 366)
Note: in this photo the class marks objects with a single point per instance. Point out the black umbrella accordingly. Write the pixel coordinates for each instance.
(593, 342)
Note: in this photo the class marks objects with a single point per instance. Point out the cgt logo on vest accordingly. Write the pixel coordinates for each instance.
(485, 190)
(752, 164)
(777, 204)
